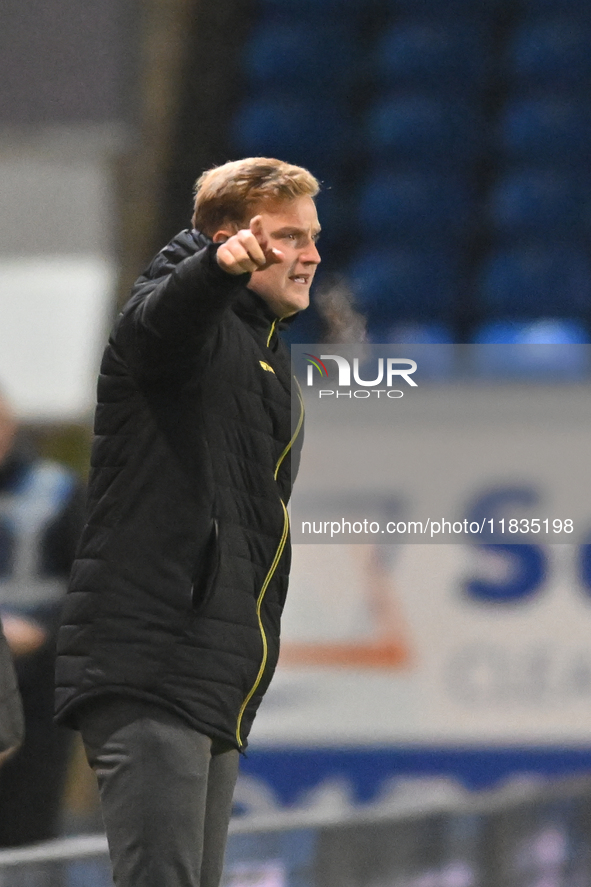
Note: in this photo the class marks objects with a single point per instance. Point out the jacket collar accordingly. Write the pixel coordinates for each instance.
(250, 307)
(199, 239)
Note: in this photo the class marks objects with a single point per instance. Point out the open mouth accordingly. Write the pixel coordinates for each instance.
(300, 278)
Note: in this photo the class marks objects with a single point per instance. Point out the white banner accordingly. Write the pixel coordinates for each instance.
(459, 644)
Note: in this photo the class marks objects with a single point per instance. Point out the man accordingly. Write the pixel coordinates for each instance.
(171, 625)
(41, 505)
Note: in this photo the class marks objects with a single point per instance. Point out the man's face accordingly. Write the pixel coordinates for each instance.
(291, 227)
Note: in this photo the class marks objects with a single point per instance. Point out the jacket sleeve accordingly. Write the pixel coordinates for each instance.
(166, 322)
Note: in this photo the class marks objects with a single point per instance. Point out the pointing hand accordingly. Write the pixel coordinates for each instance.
(248, 250)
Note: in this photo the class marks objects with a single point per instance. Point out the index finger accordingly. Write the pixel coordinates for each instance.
(271, 255)
(256, 226)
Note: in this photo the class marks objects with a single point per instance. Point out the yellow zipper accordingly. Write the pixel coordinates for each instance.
(261, 596)
(295, 434)
(272, 330)
(271, 572)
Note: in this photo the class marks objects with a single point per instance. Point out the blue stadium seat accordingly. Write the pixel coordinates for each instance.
(432, 56)
(549, 349)
(448, 10)
(420, 334)
(534, 8)
(536, 281)
(409, 206)
(300, 131)
(403, 284)
(294, 57)
(430, 344)
(424, 129)
(551, 53)
(547, 130)
(310, 10)
(545, 331)
(542, 204)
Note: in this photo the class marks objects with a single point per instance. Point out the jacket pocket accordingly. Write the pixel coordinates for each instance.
(206, 570)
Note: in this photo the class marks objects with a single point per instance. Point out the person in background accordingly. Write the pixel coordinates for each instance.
(41, 507)
(11, 709)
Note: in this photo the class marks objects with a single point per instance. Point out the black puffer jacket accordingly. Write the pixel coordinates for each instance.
(181, 574)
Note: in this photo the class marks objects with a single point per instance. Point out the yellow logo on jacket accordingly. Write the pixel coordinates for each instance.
(266, 366)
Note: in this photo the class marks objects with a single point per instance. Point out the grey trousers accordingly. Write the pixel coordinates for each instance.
(166, 793)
